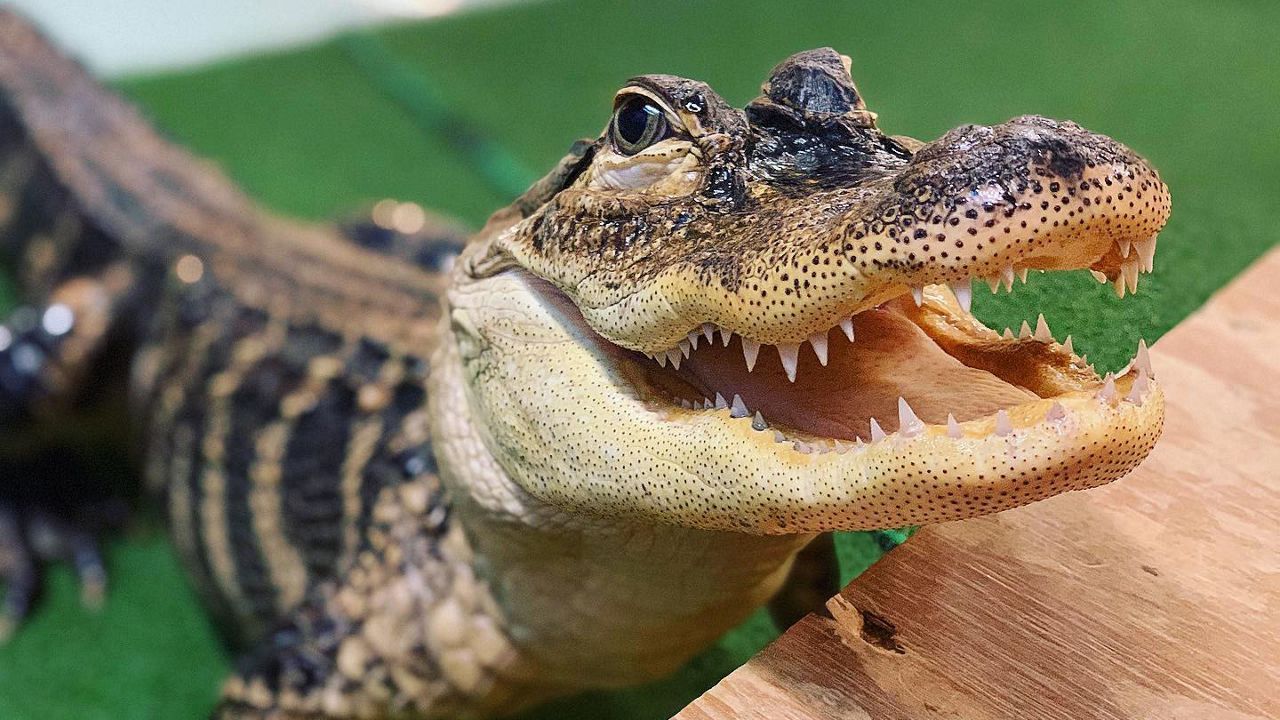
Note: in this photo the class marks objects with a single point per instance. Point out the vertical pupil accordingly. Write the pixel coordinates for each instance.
(634, 119)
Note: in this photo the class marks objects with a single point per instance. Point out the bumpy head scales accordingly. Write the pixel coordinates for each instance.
(758, 319)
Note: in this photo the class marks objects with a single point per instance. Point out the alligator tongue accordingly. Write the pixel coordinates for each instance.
(890, 357)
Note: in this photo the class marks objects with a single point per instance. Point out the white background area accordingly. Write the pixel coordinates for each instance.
(120, 37)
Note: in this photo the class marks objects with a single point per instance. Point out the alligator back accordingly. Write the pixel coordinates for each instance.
(278, 368)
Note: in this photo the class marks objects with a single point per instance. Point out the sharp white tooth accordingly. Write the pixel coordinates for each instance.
(841, 448)
(674, 357)
(693, 340)
(917, 293)
(1119, 285)
(1008, 334)
(1147, 253)
(1006, 278)
(1124, 247)
(819, 343)
(1003, 425)
(790, 354)
(803, 448)
(1143, 358)
(846, 325)
(778, 436)
(1139, 388)
(707, 404)
(1024, 332)
(750, 350)
(1022, 275)
(1108, 391)
(1101, 277)
(1056, 412)
(953, 428)
(661, 358)
(877, 433)
(964, 294)
(725, 336)
(709, 332)
(686, 404)
(909, 425)
(685, 349)
(758, 423)
(993, 282)
(738, 409)
(1066, 345)
(720, 402)
(1129, 270)
(1042, 330)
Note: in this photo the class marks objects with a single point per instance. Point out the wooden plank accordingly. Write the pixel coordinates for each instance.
(1157, 596)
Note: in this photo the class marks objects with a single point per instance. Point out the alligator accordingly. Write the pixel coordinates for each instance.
(416, 477)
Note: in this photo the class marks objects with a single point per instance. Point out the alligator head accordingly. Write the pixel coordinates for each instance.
(758, 320)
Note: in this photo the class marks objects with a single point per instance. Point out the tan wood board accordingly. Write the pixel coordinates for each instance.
(1155, 597)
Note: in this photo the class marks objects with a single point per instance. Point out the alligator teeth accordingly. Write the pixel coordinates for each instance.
(964, 294)
(693, 339)
(1056, 412)
(686, 404)
(685, 348)
(917, 293)
(1101, 277)
(720, 402)
(778, 436)
(1124, 247)
(709, 332)
(660, 358)
(819, 342)
(1108, 391)
(1042, 330)
(877, 433)
(1127, 280)
(750, 350)
(909, 425)
(1143, 359)
(1139, 388)
(790, 354)
(993, 282)
(1008, 334)
(1003, 425)
(1024, 332)
(1022, 276)
(1147, 253)
(725, 337)
(1066, 345)
(953, 428)
(738, 409)
(758, 423)
(1006, 278)
(674, 356)
(846, 325)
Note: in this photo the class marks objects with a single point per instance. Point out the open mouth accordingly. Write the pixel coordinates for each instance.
(916, 363)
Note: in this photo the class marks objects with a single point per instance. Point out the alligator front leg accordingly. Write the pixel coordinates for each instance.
(48, 508)
(407, 630)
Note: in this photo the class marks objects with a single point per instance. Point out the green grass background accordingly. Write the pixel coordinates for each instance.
(1194, 86)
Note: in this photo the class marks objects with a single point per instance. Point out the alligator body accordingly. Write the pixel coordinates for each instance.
(573, 457)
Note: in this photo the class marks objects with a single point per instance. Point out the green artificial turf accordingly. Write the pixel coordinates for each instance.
(1191, 85)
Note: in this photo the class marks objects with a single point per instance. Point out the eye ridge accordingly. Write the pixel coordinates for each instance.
(637, 124)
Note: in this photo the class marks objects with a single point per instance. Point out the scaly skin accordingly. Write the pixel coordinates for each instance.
(610, 441)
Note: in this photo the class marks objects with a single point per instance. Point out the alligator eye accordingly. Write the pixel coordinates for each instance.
(637, 124)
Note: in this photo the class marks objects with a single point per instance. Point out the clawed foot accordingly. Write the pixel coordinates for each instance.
(32, 535)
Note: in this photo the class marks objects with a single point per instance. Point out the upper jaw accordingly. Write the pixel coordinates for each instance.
(981, 202)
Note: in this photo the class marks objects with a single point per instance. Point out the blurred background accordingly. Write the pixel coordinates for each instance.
(322, 107)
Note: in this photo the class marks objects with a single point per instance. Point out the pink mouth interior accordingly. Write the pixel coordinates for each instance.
(891, 357)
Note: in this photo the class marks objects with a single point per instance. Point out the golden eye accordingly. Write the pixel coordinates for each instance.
(637, 124)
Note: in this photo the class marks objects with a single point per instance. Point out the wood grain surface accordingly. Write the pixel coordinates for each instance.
(1156, 597)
